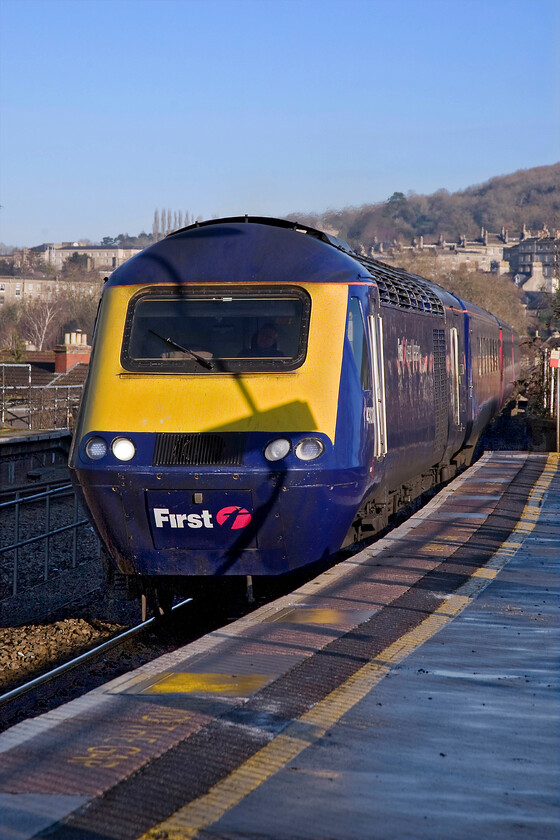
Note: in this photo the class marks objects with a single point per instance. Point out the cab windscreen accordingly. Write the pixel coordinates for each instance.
(208, 329)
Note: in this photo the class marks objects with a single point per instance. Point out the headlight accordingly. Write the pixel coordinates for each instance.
(123, 449)
(96, 448)
(309, 448)
(277, 449)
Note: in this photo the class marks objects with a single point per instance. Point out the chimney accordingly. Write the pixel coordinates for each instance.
(75, 349)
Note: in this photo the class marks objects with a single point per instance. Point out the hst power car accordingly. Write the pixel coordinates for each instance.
(259, 396)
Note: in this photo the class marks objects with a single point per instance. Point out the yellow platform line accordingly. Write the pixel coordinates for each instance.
(312, 725)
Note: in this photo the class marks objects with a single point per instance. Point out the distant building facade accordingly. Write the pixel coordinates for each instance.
(27, 288)
(99, 257)
(31, 282)
(535, 261)
(486, 253)
(533, 258)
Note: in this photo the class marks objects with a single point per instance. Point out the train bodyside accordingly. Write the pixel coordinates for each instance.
(492, 367)
(200, 454)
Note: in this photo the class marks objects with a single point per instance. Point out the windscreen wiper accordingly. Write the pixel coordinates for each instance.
(201, 358)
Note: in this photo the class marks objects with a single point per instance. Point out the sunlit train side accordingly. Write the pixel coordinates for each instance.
(259, 395)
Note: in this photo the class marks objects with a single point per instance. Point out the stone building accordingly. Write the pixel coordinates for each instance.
(100, 257)
(486, 253)
(533, 258)
(34, 287)
(535, 261)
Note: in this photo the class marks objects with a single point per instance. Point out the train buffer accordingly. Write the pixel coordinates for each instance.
(411, 691)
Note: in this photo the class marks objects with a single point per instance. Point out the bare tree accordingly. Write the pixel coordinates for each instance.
(40, 321)
(155, 227)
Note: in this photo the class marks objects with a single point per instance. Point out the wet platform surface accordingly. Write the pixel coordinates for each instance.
(410, 692)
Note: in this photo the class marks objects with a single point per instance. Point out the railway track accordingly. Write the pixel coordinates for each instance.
(83, 659)
(124, 651)
(129, 649)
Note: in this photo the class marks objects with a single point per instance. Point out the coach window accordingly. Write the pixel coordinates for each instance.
(356, 334)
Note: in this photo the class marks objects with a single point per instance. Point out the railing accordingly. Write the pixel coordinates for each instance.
(28, 558)
(26, 406)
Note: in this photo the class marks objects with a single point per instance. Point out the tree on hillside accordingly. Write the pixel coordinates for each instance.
(124, 240)
(77, 261)
(44, 322)
(77, 271)
(547, 312)
(530, 197)
(7, 268)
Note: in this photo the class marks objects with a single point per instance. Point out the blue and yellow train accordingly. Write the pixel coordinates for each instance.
(259, 396)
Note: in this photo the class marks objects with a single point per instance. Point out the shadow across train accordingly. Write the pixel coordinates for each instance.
(259, 396)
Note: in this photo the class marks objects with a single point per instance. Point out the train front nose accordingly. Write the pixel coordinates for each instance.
(232, 504)
(261, 513)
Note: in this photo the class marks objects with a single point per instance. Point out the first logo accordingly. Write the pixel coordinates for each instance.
(234, 517)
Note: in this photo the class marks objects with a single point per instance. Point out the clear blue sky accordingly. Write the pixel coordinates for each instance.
(113, 108)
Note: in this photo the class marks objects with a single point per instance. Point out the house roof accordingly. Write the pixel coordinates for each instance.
(41, 369)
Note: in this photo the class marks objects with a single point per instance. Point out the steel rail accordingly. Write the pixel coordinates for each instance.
(84, 657)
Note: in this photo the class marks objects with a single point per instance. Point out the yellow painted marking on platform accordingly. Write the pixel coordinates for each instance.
(233, 685)
(302, 615)
(311, 726)
(452, 536)
(132, 739)
(435, 548)
(447, 541)
(489, 574)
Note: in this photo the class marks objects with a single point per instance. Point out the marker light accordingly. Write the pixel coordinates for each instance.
(96, 448)
(309, 448)
(123, 449)
(277, 449)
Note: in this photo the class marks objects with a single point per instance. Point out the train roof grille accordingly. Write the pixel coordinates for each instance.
(403, 290)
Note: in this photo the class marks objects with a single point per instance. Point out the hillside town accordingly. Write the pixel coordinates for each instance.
(532, 258)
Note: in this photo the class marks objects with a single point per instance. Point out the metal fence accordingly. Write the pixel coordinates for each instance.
(27, 406)
(42, 535)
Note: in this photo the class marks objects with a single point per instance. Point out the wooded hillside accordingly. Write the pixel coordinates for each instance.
(529, 196)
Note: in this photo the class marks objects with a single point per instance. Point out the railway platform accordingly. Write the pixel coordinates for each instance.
(409, 693)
